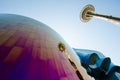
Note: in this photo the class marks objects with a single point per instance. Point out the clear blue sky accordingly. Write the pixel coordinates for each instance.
(63, 17)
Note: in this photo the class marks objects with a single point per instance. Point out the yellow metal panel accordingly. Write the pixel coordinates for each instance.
(13, 55)
(11, 41)
(6, 36)
(32, 35)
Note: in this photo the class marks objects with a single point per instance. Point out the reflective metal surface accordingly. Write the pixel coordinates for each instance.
(97, 65)
(30, 50)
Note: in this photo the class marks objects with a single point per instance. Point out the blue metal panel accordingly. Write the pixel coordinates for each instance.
(97, 65)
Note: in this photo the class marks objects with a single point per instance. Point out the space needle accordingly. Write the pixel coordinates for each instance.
(89, 11)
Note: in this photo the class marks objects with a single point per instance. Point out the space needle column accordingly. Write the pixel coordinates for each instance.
(89, 11)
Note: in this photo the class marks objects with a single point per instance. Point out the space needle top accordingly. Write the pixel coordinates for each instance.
(89, 11)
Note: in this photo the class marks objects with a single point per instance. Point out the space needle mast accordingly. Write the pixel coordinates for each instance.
(89, 11)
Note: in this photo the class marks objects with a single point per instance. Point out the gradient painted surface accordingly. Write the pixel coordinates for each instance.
(29, 51)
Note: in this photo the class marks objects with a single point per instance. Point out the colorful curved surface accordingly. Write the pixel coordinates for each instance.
(29, 51)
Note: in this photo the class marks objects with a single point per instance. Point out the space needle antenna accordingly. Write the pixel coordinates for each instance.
(89, 11)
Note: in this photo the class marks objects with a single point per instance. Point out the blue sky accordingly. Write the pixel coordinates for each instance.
(63, 17)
